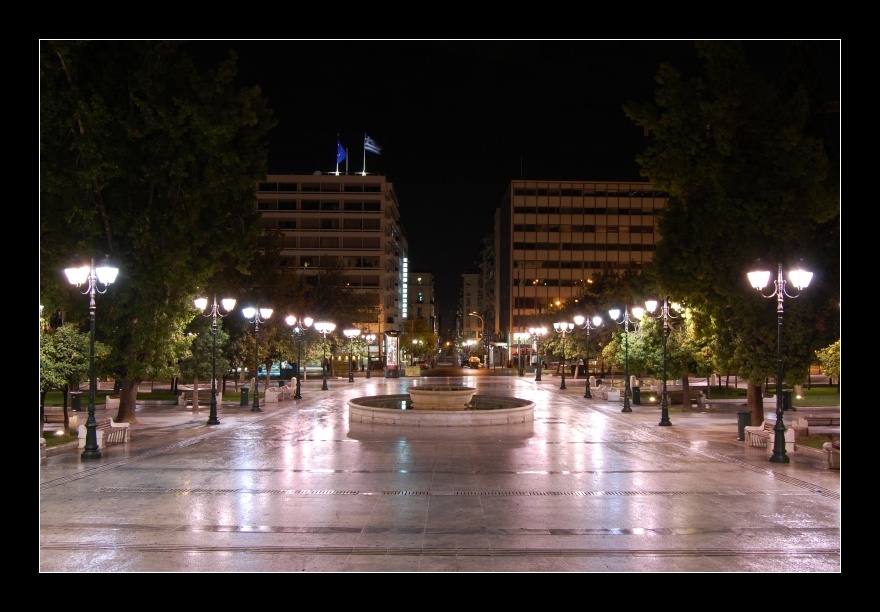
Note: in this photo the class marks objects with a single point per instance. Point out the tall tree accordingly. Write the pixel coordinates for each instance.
(749, 176)
(150, 161)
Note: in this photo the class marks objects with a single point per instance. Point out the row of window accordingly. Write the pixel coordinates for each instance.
(582, 229)
(580, 246)
(316, 205)
(567, 265)
(334, 224)
(648, 208)
(578, 192)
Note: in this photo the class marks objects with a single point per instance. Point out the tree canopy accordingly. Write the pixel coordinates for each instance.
(151, 162)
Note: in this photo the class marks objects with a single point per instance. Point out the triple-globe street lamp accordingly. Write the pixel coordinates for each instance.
(564, 328)
(256, 316)
(228, 304)
(587, 324)
(625, 320)
(324, 328)
(801, 280)
(537, 333)
(299, 330)
(665, 315)
(351, 334)
(105, 275)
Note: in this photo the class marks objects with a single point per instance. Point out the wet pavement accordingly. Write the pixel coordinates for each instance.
(297, 488)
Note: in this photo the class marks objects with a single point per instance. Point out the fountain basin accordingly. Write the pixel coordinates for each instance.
(399, 410)
(441, 397)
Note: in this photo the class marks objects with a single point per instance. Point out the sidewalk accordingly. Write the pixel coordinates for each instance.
(296, 487)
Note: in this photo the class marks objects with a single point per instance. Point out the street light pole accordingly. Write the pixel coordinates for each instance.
(256, 316)
(537, 333)
(298, 333)
(585, 323)
(324, 328)
(228, 304)
(563, 327)
(665, 314)
(614, 313)
(91, 275)
(801, 280)
(482, 335)
(519, 338)
(369, 338)
(351, 334)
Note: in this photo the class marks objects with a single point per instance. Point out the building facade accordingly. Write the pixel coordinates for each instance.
(352, 220)
(552, 236)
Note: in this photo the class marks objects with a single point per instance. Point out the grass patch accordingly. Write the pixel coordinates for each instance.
(52, 438)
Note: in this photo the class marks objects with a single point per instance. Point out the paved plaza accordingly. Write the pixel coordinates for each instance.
(298, 488)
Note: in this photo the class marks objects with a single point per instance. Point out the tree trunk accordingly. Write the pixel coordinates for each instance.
(755, 402)
(685, 393)
(195, 394)
(127, 400)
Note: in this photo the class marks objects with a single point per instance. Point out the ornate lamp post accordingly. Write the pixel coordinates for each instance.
(369, 338)
(519, 337)
(482, 335)
(801, 280)
(351, 334)
(257, 316)
(564, 328)
(614, 313)
(324, 328)
(105, 275)
(588, 325)
(537, 333)
(665, 314)
(228, 304)
(299, 331)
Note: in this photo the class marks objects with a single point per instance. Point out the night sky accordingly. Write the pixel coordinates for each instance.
(458, 120)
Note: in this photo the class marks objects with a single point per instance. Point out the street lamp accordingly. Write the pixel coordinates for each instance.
(257, 316)
(651, 305)
(324, 328)
(369, 338)
(351, 334)
(537, 333)
(104, 275)
(801, 280)
(585, 323)
(563, 327)
(482, 333)
(614, 313)
(298, 332)
(228, 304)
(519, 337)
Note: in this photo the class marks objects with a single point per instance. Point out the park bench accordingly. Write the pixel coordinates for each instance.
(56, 415)
(760, 435)
(108, 431)
(822, 421)
(186, 397)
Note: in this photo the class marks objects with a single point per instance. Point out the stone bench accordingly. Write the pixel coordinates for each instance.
(108, 431)
(284, 392)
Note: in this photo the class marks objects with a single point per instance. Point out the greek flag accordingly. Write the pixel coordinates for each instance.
(371, 146)
(340, 152)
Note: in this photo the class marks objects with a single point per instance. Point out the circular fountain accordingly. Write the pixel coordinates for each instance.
(440, 406)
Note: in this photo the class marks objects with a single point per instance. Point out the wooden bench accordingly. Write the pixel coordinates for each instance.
(108, 431)
(822, 421)
(760, 435)
(186, 397)
(56, 415)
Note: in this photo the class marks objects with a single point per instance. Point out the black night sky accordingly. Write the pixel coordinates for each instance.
(458, 120)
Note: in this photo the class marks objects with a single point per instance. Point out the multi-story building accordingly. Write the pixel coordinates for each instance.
(352, 220)
(552, 236)
(420, 299)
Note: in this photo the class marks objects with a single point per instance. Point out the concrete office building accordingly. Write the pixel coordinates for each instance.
(552, 236)
(352, 220)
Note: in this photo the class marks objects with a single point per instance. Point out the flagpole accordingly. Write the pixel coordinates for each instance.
(346, 161)
(365, 155)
